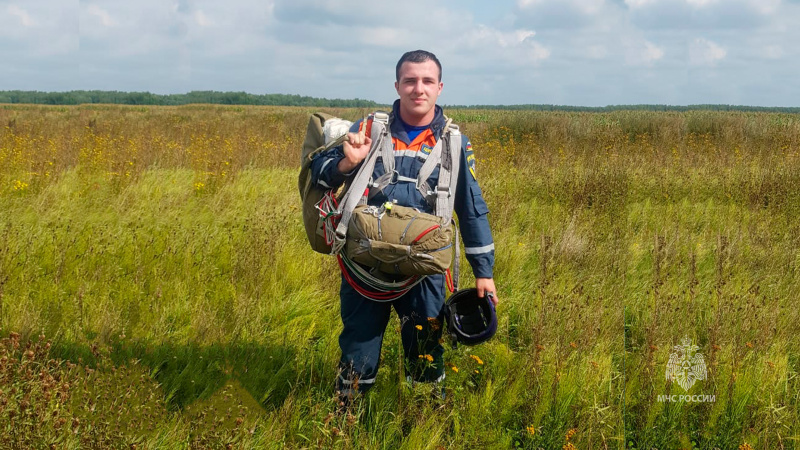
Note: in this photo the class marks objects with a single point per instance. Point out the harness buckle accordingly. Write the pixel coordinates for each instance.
(338, 243)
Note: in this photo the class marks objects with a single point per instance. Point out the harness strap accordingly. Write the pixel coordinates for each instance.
(448, 174)
(457, 263)
(449, 162)
(355, 195)
(433, 158)
(387, 150)
(428, 166)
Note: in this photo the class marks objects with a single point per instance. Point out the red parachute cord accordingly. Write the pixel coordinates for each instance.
(448, 278)
(424, 233)
(381, 296)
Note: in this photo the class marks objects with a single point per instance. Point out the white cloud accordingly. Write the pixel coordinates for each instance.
(760, 6)
(701, 3)
(537, 52)
(105, 18)
(651, 53)
(24, 18)
(590, 6)
(582, 52)
(597, 51)
(638, 3)
(583, 6)
(515, 47)
(703, 52)
(766, 7)
(562, 14)
(773, 52)
(642, 53)
(201, 19)
(521, 35)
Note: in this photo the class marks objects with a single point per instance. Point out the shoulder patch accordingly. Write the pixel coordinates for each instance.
(426, 149)
(471, 163)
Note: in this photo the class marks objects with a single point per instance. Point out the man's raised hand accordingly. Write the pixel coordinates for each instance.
(356, 148)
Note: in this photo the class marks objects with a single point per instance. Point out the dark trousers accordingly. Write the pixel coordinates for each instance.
(421, 319)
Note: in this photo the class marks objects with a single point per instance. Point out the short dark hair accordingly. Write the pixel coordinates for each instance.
(417, 56)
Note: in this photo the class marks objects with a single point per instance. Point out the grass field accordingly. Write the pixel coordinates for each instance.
(156, 289)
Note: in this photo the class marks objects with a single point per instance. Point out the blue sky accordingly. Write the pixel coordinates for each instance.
(572, 52)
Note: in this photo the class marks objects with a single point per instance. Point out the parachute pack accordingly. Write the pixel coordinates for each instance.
(319, 138)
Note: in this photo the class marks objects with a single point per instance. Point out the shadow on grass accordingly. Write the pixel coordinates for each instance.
(188, 373)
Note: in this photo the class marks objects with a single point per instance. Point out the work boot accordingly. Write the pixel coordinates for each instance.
(438, 392)
(344, 403)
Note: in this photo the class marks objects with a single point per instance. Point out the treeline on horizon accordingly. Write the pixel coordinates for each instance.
(243, 98)
(610, 108)
(194, 97)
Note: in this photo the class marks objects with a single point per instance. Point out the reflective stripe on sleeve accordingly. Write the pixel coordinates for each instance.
(478, 250)
(325, 164)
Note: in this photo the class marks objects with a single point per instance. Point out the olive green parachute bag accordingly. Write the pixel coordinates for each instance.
(319, 139)
(399, 240)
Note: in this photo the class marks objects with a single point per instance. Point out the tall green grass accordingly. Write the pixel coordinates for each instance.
(171, 237)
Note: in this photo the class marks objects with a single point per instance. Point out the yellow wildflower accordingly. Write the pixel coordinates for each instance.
(419, 327)
(455, 369)
(531, 430)
(570, 433)
(477, 359)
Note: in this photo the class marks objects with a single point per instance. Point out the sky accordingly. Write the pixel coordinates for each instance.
(566, 52)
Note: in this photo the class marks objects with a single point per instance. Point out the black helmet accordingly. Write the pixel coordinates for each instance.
(470, 319)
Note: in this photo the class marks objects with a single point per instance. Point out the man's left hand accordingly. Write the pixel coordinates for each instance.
(484, 286)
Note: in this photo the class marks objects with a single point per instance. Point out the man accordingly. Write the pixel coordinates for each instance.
(417, 124)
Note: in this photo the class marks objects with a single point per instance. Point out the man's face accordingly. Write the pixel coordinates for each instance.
(418, 88)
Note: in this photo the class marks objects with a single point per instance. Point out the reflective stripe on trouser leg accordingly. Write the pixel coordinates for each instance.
(422, 307)
(349, 383)
(364, 322)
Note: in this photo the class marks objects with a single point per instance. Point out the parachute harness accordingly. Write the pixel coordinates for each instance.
(336, 217)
